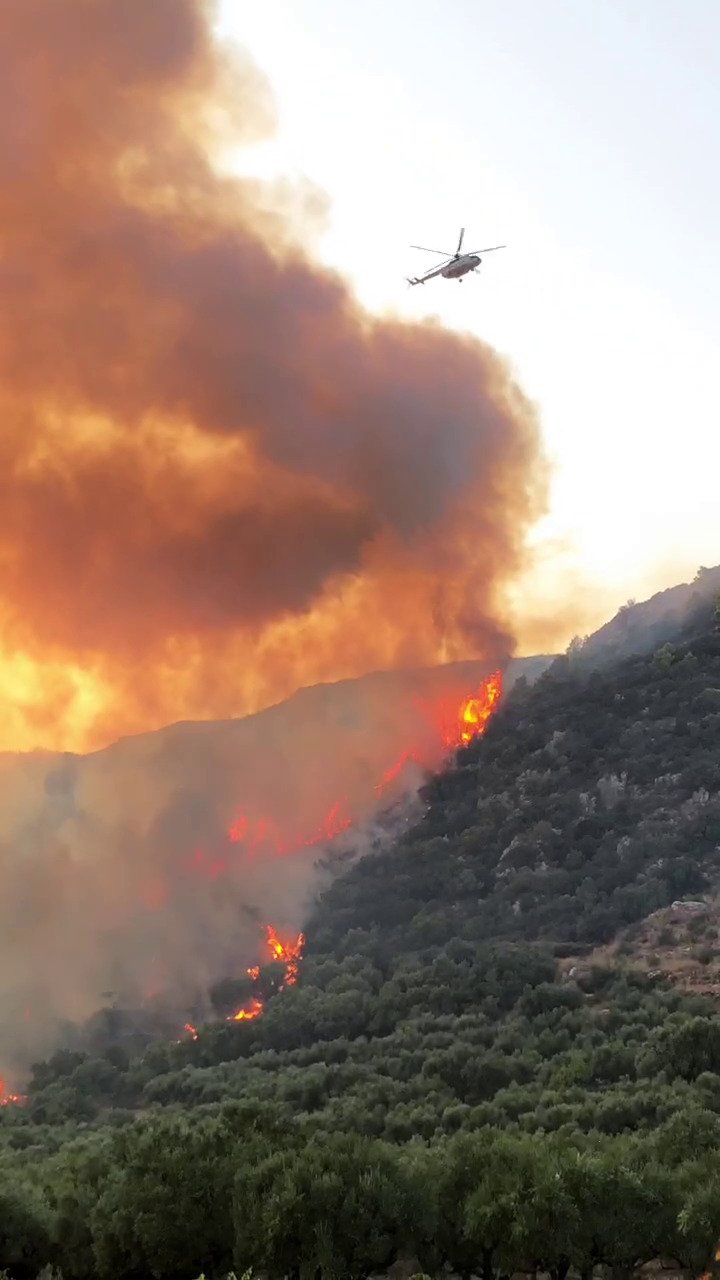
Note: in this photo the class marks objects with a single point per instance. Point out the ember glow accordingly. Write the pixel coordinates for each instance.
(264, 834)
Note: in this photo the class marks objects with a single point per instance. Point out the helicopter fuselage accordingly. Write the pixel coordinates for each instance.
(455, 266)
(460, 266)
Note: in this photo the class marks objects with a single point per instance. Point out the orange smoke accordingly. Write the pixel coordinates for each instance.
(221, 479)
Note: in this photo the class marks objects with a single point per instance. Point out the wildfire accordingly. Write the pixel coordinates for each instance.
(290, 954)
(248, 1012)
(475, 712)
(451, 726)
(263, 833)
(454, 727)
(10, 1099)
(393, 773)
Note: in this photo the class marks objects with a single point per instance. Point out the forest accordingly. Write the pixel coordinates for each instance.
(461, 1077)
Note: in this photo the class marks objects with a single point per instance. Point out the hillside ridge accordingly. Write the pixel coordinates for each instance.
(474, 1069)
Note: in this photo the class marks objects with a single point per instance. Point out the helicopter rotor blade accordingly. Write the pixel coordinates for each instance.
(457, 251)
(490, 250)
(443, 252)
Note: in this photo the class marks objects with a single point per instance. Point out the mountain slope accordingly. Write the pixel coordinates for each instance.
(592, 801)
(440, 1082)
(641, 627)
(144, 867)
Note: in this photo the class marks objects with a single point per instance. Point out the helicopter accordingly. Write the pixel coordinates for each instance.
(457, 264)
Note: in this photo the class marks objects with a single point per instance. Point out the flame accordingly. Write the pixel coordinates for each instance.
(248, 1012)
(289, 952)
(191, 1030)
(10, 1099)
(475, 712)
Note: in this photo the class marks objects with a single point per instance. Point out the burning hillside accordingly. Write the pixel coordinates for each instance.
(453, 728)
(221, 479)
(442, 724)
(286, 953)
(144, 872)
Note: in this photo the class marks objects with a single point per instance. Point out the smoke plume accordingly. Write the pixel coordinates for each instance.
(221, 479)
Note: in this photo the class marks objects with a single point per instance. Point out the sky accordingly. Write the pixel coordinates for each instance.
(583, 136)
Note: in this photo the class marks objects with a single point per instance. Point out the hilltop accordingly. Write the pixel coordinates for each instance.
(476, 1060)
(640, 627)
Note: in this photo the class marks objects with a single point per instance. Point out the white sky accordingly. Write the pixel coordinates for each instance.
(584, 134)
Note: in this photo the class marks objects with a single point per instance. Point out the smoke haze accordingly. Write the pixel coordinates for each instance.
(146, 869)
(221, 479)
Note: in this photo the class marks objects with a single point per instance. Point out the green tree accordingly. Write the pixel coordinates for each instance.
(699, 1213)
(334, 1210)
(166, 1205)
(494, 1207)
(24, 1231)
